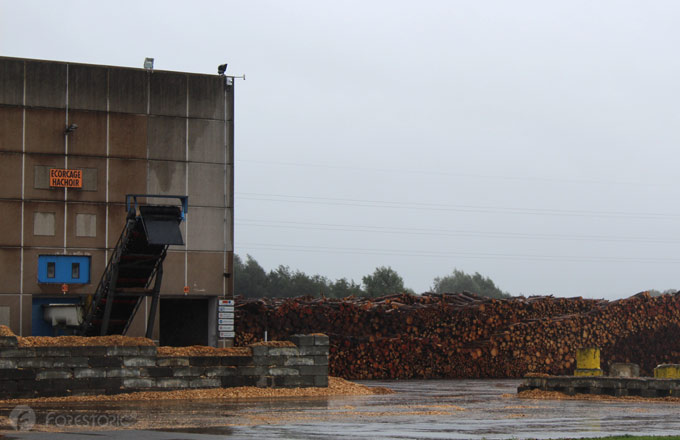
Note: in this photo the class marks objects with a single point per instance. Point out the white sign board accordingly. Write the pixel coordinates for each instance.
(225, 318)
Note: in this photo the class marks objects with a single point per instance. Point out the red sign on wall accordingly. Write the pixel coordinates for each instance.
(61, 178)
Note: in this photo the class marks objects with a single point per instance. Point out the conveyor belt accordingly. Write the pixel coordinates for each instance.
(135, 269)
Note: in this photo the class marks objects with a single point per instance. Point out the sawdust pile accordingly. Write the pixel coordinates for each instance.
(75, 341)
(336, 387)
(82, 341)
(127, 341)
(555, 395)
(5, 331)
(274, 344)
(202, 350)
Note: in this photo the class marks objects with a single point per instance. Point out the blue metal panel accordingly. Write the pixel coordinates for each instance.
(69, 269)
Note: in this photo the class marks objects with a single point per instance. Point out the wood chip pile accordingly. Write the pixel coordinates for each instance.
(336, 387)
(201, 350)
(466, 336)
(274, 344)
(555, 395)
(75, 341)
(82, 341)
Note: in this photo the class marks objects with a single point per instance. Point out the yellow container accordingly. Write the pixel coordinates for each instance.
(588, 358)
(588, 372)
(667, 371)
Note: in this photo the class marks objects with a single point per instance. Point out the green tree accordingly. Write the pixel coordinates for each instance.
(250, 279)
(283, 282)
(383, 281)
(342, 288)
(459, 281)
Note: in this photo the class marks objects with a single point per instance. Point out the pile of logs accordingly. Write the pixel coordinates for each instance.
(466, 336)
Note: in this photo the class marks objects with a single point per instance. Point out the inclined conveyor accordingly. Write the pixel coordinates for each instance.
(135, 269)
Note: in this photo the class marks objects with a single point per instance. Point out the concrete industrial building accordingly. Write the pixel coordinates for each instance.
(124, 131)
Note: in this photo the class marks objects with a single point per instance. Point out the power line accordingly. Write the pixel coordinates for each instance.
(435, 254)
(452, 174)
(445, 232)
(288, 198)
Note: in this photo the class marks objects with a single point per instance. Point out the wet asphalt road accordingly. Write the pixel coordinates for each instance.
(469, 409)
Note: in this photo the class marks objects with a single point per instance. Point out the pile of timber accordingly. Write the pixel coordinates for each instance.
(463, 335)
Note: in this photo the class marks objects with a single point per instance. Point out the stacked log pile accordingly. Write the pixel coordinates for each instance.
(466, 336)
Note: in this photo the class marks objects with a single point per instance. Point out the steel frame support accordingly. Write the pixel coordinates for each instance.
(110, 295)
(154, 301)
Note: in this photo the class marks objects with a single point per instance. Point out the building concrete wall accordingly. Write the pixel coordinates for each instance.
(138, 131)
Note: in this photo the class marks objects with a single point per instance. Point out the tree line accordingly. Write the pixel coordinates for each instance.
(252, 281)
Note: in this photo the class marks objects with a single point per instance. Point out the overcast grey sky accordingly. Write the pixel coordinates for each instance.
(532, 141)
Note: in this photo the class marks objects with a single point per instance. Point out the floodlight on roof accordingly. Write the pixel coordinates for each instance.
(148, 63)
(221, 69)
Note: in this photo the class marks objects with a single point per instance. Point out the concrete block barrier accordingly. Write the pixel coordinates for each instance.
(27, 372)
(613, 386)
(619, 369)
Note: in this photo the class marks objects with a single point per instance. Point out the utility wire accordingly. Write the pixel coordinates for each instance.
(435, 254)
(288, 198)
(447, 232)
(450, 174)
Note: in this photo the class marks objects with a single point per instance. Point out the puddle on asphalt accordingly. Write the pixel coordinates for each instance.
(470, 409)
(211, 430)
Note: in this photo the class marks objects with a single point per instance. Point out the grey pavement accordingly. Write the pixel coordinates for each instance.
(435, 409)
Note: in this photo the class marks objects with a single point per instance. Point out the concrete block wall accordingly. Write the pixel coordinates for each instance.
(27, 372)
(612, 386)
